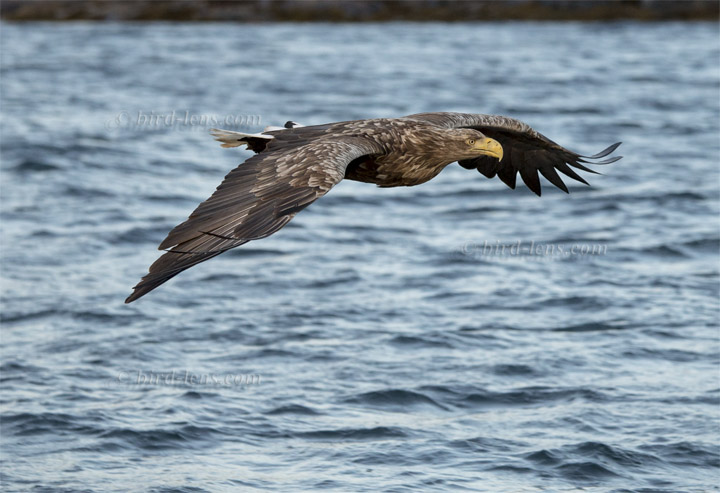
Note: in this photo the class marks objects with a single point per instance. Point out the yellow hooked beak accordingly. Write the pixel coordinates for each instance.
(489, 147)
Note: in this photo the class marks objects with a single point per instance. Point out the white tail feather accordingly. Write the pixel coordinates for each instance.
(230, 138)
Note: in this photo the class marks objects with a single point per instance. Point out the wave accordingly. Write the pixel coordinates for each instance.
(393, 398)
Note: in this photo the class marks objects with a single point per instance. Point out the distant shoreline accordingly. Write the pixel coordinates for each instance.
(359, 11)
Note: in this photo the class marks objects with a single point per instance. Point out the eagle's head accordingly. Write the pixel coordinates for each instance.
(467, 144)
(449, 145)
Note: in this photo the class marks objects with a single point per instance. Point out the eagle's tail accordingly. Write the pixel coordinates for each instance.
(230, 138)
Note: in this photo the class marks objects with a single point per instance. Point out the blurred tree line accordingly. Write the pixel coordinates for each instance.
(358, 10)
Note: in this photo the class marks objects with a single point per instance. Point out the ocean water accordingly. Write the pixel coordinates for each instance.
(384, 340)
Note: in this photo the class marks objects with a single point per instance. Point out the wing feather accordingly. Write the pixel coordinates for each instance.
(255, 200)
(548, 171)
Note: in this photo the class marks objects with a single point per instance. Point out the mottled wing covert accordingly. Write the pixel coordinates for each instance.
(255, 200)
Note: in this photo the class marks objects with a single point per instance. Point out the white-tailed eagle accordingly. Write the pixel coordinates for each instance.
(295, 165)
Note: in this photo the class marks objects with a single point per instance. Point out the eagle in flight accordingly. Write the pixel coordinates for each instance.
(295, 165)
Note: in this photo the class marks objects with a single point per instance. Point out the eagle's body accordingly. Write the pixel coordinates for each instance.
(296, 165)
(406, 159)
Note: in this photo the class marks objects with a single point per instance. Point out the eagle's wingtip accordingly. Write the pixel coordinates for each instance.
(133, 296)
(138, 292)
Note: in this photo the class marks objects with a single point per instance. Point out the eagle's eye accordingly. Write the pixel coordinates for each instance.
(470, 141)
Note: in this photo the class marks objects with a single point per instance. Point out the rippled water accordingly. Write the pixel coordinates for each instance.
(396, 348)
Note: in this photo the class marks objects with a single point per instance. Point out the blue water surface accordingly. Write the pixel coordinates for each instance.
(382, 341)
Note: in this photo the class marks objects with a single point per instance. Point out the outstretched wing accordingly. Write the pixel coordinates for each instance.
(255, 200)
(525, 151)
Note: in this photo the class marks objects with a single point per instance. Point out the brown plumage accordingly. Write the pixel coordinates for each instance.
(294, 166)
